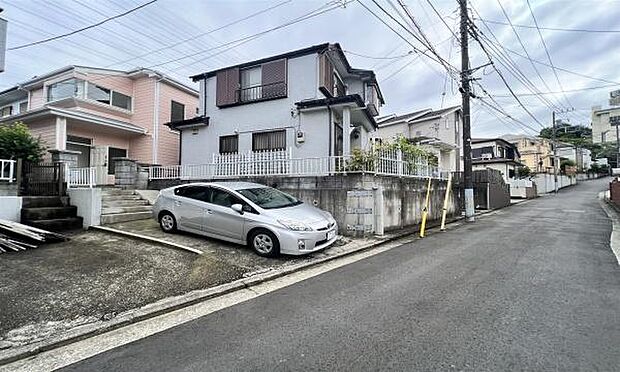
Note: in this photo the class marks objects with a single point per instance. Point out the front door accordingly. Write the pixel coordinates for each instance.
(99, 160)
(220, 218)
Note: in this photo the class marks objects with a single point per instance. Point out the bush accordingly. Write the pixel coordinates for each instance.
(16, 142)
(523, 172)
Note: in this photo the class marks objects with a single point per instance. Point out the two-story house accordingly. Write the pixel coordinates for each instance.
(536, 152)
(90, 115)
(438, 131)
(309, 102)
(495, 153)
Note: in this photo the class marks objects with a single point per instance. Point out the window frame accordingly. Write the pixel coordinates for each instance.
(230, 136)
(270, 148)
(172, 104)
(10, 107)
(76, 93)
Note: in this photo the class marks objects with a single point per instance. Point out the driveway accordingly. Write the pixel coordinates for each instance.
(532, 287)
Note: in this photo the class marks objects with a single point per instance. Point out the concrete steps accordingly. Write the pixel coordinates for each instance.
(119, 205)
(50, 213)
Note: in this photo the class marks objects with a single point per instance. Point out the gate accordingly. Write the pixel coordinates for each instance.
(43, 179)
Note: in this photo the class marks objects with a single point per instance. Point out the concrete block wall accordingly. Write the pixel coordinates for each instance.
(395, 202)
(125, 173)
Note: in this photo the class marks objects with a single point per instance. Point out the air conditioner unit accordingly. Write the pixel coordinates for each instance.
(487, 156)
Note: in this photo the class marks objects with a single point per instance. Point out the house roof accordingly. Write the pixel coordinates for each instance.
(482, 140)
(195, 121)
(319, 48)
(495, 161)
(395, 119)
(435, 114)
(332, 101)
(140, 70)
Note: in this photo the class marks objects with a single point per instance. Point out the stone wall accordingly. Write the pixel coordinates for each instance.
(361, 204)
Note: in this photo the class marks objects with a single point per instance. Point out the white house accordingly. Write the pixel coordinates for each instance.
(495, 153)
(439, 131)
(581, 156)
(309, 103)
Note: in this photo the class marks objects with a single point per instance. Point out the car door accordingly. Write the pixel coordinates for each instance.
(220, 218)
(190, 206)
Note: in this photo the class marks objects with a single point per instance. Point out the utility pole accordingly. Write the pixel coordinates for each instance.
(555, 154)
(467, 171)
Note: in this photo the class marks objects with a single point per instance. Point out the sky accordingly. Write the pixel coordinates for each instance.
(187, 37)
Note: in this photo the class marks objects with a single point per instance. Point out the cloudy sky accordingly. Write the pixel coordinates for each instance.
(183, 37)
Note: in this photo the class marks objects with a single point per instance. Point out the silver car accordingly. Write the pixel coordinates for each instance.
(268, 220)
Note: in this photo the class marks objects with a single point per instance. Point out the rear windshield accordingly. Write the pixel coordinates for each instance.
(269, 198)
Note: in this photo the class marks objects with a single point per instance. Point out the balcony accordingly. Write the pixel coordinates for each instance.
(262, 92)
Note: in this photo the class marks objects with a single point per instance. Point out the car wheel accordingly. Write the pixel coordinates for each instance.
(167, 222)
(265, 243)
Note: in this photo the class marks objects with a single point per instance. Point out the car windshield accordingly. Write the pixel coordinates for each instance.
(269, 198)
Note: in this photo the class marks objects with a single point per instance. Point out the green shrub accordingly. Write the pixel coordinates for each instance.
(16, 142)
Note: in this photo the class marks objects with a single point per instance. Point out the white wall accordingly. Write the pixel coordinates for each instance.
(504, 168)
(11, 208)
(545, 183)
(302, 84)
(88, 203)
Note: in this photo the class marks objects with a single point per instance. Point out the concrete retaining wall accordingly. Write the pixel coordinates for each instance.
(11, 208)
(88, 203)
(361, 204)
(8, 188)
(545, 183)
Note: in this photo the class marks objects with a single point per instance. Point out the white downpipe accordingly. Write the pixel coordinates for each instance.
(156, 102)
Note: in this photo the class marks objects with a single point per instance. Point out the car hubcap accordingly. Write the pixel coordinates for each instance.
(167, 222)
(263, 243)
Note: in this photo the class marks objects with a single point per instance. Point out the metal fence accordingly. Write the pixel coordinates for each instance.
(7, 170)
(281, 163)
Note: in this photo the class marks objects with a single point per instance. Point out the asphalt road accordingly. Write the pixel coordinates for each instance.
(533, 287)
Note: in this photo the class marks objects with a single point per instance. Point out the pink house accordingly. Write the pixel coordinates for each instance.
(91, 115)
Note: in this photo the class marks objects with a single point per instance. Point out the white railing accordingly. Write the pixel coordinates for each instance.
(389, 163)
(81, 177)
(7, 170)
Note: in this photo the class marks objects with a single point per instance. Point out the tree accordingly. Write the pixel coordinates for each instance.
(566, 163)
(16, 142)
(523, 171)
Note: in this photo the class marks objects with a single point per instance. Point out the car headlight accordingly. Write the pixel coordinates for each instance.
(295, 225)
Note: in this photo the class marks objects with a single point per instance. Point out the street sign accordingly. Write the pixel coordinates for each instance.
(614, 121)
(2, 42)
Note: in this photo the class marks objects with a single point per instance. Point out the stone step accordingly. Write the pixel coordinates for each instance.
(122, 203)
(123, 217)
(114, 191)
(126, 209)
(120, 197)
(41, 201)
(48, 213)
(56, 224)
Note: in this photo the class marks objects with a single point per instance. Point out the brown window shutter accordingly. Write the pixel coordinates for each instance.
(227, 82)
(326, 75)
(273, 76)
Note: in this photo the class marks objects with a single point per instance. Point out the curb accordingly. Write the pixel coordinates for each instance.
(612, 212)
(170, 304)
(146, 238)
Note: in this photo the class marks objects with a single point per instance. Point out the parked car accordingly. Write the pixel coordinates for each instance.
(268, 220)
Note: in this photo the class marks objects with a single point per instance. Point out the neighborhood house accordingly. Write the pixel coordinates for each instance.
(495, 153)
(87, 116)
(309, 103)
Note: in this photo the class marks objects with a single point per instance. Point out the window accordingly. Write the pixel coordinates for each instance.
(99, 94)
(6, 111)
(120, 100)
(264, 141)
(201, 193)
(223, 198)
(229, 144)
(269, 198)
(251, 77)
(65, 89)
(23, 107)
(177, 111)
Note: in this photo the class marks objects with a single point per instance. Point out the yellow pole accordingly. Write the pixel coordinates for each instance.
(446, 200)
(425, 210)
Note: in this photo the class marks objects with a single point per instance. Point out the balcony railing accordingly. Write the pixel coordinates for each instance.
(262, 92)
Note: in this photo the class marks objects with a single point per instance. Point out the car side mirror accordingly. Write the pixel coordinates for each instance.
(237, 208)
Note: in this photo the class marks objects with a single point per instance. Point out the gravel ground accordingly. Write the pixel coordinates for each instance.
(93, 276)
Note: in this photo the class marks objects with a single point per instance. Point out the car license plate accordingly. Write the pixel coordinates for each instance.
(331, 234)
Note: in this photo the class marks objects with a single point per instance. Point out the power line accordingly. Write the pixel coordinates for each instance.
(555, 73)
(559, 92)
(443, 20)
(553, 28)
(83, 28)
(377, 57)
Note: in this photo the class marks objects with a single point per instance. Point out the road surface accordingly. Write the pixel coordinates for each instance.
(533, 287)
